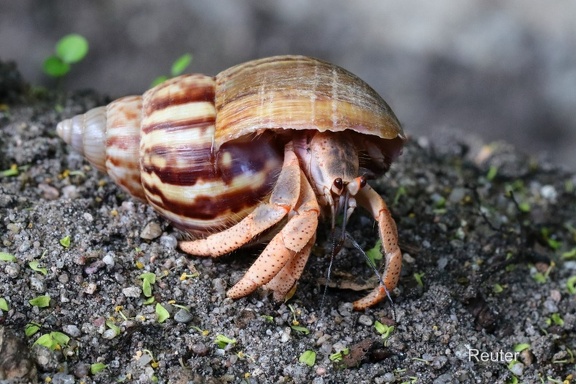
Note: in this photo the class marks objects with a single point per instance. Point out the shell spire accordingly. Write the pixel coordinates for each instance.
(109, 138)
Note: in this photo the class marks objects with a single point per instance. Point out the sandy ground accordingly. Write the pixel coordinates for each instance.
(482, 273)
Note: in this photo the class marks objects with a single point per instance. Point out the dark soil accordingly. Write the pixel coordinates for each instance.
(494, 269)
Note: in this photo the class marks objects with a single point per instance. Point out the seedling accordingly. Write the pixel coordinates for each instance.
(384, 330)
(148, 279)
(40, 301)
(161, 313)
(31, 328)
(223, 342)
(53, 340)
(3, 304)
(571, 285)
(308, 358)
(69, 50)
(12, 171)
(7, 257)
(418, 277)
(338, 356)
(65, 241)
(300, 329)
(374, 253)
(34, 265)
(178, 67)
(110, 324)
(97, 367)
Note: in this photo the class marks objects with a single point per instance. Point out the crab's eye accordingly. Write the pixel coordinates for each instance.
(338, 183)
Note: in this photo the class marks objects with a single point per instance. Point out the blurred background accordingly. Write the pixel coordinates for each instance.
(486, 70)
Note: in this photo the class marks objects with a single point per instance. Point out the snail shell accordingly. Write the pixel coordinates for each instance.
(205, 151)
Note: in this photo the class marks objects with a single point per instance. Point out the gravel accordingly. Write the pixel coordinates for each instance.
(491, 270)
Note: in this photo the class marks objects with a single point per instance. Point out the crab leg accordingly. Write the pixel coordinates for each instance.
(290, 246)
(284, 196)
(369, 199)
(284, 280)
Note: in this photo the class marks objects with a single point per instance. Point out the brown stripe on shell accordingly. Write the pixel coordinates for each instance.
(296, 92)
(122, 144)
(180, 90)
(219, 189)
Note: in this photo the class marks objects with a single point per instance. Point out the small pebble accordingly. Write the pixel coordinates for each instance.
(109, 259)
(91, 288)
(134, 292)
(183, 316)
(365, 320)
(200, 349)
(169, 241)
(517, 369)
(38, 285)
(71, 330)
(12, 270)
(70, 192)
(151, 231)
(109, 334)
(62, 378)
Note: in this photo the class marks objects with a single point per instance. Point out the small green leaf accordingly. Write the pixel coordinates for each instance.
(300, 329)
(149, 300)
(557, 319)
(222, 341)
(110, 324)
(40, 301)
(34, 265)
(267, 318)
(65, 241)
(524, 207)
(374, 252)
(31, 328)
(539, 277)
(180, 64)
(60, 338)
(492, 172)
(162, 313)
(97, 367)
(46, 341)
(418, 277)
(571, 285)
(521, 347)
(72, 48)
(566, 255)
(384, 330)
(497, 288)
(158, 80)
(338, 356)
(148, 279)
(7, 257)
(308, 358)
(3, 304)
(55, 67)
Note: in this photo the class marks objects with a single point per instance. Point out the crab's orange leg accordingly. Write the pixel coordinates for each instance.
(284, 258)
(369, 199)
(284, 196)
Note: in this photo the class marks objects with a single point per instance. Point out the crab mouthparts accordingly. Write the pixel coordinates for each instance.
(344, 204)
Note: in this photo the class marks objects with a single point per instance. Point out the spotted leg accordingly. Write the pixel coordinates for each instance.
(284, 196)
(283, 259)
(369, 199)
(284, 280)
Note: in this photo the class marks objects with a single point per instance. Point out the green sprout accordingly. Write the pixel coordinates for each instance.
(308, 358)
(31, 328)
(65, 241)
(69, 50)
(521, 347)
(12, 171)
(34, 265)
(148, 279)
(418, 277)
(3, 304)
(178, 67)
(222, 341)
(162, 313)
(300, 329)
(40, 301)
(53, 340)
(374, 253)
(571, 285)
(338, 356)
(7, 257)
(97, 367)
(384, 330)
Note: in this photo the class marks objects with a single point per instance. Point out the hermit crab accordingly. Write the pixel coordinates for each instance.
(260, 151)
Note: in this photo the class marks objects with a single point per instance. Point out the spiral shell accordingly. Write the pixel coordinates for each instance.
(204, 151)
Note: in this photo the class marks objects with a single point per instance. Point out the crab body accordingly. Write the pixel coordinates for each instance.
(265, 147)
